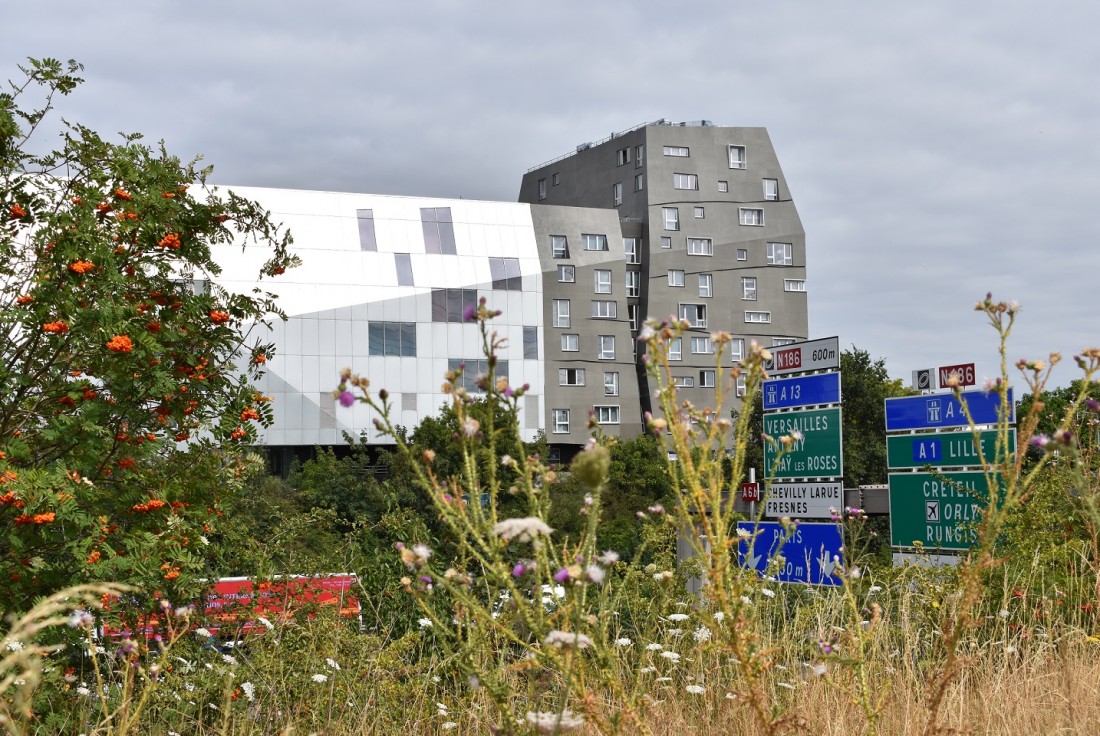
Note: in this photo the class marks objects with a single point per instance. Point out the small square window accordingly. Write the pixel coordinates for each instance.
(748, 288)
(700, 213)
(603, 281)
(666, 241)
(707, 378)
(702, 346)
(567, 274)
(752, 216)
(700, 247)
(622, 156)
(611, 383)
(723, 186)
(676, 348)
(737, 349)
(671, 218)
(695, 314)
(737, 157)
(555, 179)
(559, 246)
(779, 254)
(605, 309)
(560, 312)
(570, 343)
(771, 190)
(606, 414)
(740, 390)
(742, 254)
(675, 277)
(685, 181)
(571, 376)
(594, 242)
(706, 285)
(683, 381)
(561, 421)
(633, 280)
(607, 347)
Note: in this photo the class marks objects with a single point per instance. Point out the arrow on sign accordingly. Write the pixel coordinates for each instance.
(826, 563)
(752, 562)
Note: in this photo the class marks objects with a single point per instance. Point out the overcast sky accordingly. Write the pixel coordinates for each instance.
(936, 150)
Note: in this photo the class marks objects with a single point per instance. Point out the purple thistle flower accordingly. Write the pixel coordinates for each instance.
(347, 398)
(561, 575)
(1092, 404)
(469, 314)
(519, 570)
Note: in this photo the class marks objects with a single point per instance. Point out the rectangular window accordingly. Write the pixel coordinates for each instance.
(740, 390)
(639, 182)
(560, 312)
(617, 193)
(439, 230)
(530, 343)
(567, 274)
(607, 347)
(737, 157)
(680, 151)
(632, 316)
(752, 216)
(450, 305)
(542, 188)
(700, 213)
(570, 343)
(473, 369)
(794, 284)
(675, 277)
(632, 249)
(559, 246)
(603, 281)
(671, 217)
(737, 349)
(367, 239)
(607, 414)
(571, 376)
(666, 241)
(633, 279)
(779, 254)
(707, 378)
(781, 341)
(555, 179)
(771, 190)
(685, 181)
(706, 285)
(742, 254)
(605, 309)
(611, 383)
(404, 269)
(758, 317)
(702, 346)
(700, 247)
(392, 339)
(622, 156)
(748, 288)
(683, 381)
(594, 242)
(561, 421)
(639, 155)
(695, 314)
(505, 273)
(723, 186)
(676, 348)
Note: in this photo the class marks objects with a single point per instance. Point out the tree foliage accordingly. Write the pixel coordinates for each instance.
(124, 394)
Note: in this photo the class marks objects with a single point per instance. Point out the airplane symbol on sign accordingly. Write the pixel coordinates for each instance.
(932, 510)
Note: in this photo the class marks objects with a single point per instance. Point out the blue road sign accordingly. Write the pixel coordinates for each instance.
(811, 555)
(786, 393)
(932, 411)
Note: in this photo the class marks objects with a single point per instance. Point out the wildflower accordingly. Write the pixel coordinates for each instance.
(522, 530)
(555, 722)
(470, 313)
(670, 656)
(567, 639)
(249, 691)
(746, 600)
(319, 678)
(425, 623)
(57, 328)
(701, 634)
(675, 632)
(719, 616)
(654, 647)
(695, 689)
(346, 398)
(83, 690)
(767, 592)
(818, 670)
(229, 659)
(678, 617)
(595, 574)
(609, 558)
(332, 663)
(470, 427)
(449, 725)
(205, 633)
(874, 589)
(120, 344)
(623, 642)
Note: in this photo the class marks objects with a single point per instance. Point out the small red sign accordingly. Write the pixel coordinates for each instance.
(787, 359)
(964, 372)
(750, 492)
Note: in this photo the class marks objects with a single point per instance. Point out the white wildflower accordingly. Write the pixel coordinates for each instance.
(701, 634)
(818, 670)
(449, 725)
(675, 632)
(595, 573)
(555, 722)
(567, 639)
(647, 670)
(319, 678)
(266, 624)
(425, 623)
(695, 689)
(746, 600)
(82, 690)
(654, 647)
(80, 619)
(678, 617)
(647, 333)
(522, 530)
(719, 616)
(743, 533)
(1004, 613)
(767, 592)
(205, 633)
(13, 646)
(623, 642)
(609, 558)
(671, 656)
(229, 659)
(332, 663)
(874, 589)
(249, 691)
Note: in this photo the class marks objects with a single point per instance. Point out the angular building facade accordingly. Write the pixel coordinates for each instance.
(689, 220)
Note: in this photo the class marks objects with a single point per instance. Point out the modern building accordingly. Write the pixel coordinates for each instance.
(690, 220)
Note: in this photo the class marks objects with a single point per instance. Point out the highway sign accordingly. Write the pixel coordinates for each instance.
(803, 357)
(922, 379)
(941, 511)
(810, 555)
(803, 500)
(817, 455)
(750, 492)
(815, 390)
(963, 372)
(933, 411)
(942, 449)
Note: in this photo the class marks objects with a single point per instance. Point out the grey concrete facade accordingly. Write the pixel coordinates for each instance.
(721, 240)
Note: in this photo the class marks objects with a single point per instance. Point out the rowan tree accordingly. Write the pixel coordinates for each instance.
(126, 374)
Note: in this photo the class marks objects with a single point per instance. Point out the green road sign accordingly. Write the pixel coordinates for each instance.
(942, 449)
(816, 455)
(941, 510)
